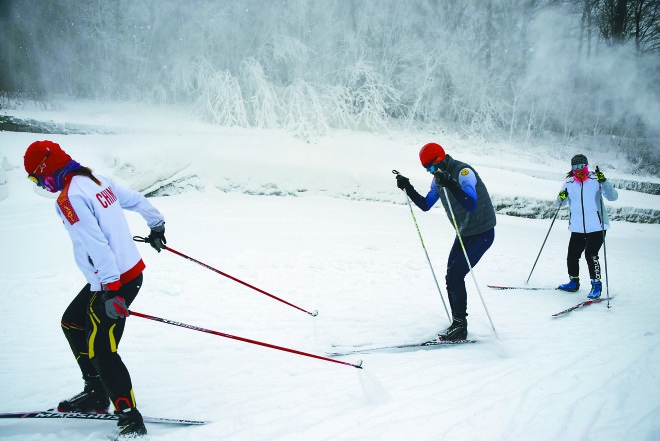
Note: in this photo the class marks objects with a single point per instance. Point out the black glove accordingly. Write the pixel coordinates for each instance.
(402, 182)
(600, 176)
(444, 179)
(157, 237)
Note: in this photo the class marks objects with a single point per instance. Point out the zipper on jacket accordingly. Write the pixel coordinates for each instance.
(584, 222)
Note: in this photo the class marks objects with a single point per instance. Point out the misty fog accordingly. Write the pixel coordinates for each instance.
(527, 71)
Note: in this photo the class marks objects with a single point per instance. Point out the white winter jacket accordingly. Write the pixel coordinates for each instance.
(585, 200)
(103, 245)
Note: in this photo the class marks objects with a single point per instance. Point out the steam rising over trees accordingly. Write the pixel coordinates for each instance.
(519, 69)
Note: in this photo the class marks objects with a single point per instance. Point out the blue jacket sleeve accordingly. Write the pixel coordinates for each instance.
(466, 192)
(424, 203)
(466, 197)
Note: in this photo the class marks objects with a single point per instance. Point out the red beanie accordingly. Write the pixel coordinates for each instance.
(431, 153)
(43, 157)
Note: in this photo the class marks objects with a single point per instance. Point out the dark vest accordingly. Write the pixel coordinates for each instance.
(480, 220)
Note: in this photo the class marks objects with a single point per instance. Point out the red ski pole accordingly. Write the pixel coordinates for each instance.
(246, 340)
(172, 250)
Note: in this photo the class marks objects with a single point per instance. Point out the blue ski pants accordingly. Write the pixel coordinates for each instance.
(457, 268)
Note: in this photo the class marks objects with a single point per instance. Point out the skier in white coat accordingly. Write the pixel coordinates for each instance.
(584, 190)
(91, 208)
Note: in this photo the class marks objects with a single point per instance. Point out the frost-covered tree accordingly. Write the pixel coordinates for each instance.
(516, 69)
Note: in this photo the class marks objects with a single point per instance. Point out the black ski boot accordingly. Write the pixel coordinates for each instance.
(457, 330)
(130, 423)
(93, 399)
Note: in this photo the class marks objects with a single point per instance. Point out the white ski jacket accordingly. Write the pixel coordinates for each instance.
(585, 200)
(103, 245)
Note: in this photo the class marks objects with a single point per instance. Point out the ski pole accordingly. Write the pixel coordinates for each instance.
(607, 284)
(602, 227)
(246, 340)
(546, 238)
(172, 250)
(467, 259)
(425, 252)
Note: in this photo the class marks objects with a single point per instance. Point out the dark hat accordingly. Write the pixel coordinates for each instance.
(431, 153)
(43, 157)
(579, 159)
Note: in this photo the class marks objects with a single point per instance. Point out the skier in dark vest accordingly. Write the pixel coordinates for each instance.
(583, 191)
(91, 208)
(475, 218)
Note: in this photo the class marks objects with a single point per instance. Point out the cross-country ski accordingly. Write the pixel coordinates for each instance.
(581, 305)
(428, 344)
(54, 414)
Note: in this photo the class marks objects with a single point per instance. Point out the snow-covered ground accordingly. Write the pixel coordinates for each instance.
(324, 227)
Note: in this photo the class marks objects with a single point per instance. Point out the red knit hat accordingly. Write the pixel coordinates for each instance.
(431, 153)
(43, 157)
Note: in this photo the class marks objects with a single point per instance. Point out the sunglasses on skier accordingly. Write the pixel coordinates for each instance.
(578, 166)
(435, 167)
(36, 180)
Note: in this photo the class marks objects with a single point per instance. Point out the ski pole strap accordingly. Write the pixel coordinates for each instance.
(246, 340)
(172, 250)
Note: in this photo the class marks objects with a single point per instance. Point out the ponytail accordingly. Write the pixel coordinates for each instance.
(86, 171)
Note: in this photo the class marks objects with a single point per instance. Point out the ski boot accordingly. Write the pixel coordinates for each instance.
(93, 398)
(572, 286)
(457, 330)
(596, 289)
(130, 423)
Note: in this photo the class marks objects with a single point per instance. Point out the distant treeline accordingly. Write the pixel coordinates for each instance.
(521, 70)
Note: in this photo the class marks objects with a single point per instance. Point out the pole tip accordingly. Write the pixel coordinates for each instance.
(314, 313)
(358, 364)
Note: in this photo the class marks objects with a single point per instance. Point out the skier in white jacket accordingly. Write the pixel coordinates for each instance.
(584, 191)
(91, 208)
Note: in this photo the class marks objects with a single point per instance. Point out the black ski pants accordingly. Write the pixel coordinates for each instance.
(589, 244)
(94, 338)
